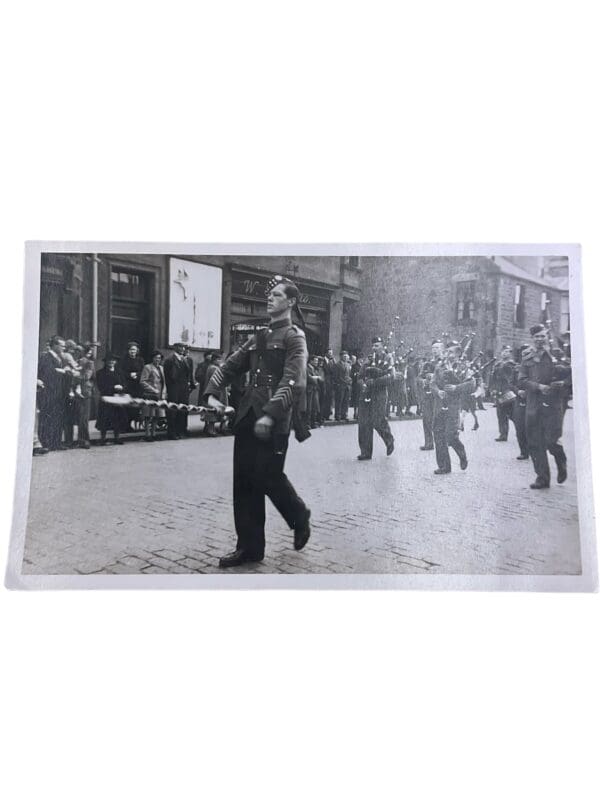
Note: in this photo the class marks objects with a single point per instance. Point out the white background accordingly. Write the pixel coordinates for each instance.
(320, 121)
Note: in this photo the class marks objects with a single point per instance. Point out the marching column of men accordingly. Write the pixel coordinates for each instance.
(530, 387)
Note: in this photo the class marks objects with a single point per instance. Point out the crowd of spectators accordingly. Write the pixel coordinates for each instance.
(70, 392)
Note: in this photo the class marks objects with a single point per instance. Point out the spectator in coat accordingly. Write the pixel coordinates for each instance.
(178, 390)
(84, 394)
(52, 395)
(153, 387)
(110, 382)
(131, 366)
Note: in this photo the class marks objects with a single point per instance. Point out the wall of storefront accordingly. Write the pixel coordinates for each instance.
(68, 305)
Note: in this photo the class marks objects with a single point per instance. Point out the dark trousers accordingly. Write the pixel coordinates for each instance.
(445, 434)
(542, 438)
(326, 405)
(504, 413)
(51, 423)
(519, 421)
(342, 399)
(83, 419)
(69, 419)
(258, 473)
(372, 416)
(176, 422)
(428, 429)
(313, 407)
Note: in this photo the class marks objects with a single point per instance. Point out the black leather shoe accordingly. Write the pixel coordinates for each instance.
(539, 485)
(237, 558)
(522, 457)
(363, 458)
(426, 448)
(501, 439)
(390, 448)
(302, 531)
(562, 473)
(464, 463)
(441, 471)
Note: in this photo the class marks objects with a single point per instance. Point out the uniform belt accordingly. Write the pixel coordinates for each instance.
(263, 379)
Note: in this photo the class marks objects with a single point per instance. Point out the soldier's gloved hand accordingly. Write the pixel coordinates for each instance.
(212, 402)
(544, 388)
(263, 427)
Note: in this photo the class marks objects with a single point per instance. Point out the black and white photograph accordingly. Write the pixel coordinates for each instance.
(343, 416)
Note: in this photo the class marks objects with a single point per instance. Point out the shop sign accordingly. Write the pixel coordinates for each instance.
(257, 287)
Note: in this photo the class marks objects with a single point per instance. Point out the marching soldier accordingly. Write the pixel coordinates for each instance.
(545, 381)
(276, 358)
(502, 384)
(519, 409)
(374, 379)
(449, 390)
(425, 395)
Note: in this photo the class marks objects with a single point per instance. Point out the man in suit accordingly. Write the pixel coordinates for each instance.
(190, 365)
(178, 390)
(342, 384)
(53, 395)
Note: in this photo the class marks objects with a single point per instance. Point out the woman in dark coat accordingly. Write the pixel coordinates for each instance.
(131, 366)
(110, 382)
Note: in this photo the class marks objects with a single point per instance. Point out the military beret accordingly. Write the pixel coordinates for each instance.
(537, 329)
(110, 357)
(376, 339)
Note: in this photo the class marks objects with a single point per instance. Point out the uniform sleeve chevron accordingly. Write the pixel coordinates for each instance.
(293, 381)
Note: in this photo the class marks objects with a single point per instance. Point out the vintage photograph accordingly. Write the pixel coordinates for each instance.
(340, 416)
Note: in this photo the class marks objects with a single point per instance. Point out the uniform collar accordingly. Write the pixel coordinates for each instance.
(280, 323)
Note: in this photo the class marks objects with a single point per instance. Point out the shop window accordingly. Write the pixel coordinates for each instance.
(465, 302)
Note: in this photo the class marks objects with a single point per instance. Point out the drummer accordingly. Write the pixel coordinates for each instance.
(504, 390)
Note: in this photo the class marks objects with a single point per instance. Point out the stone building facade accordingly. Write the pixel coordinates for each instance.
(115, 298)
(411, 300)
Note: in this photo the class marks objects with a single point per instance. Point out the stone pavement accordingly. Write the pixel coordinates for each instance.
(166, 508)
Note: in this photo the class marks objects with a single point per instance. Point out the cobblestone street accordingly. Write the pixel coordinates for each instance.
(166, 508)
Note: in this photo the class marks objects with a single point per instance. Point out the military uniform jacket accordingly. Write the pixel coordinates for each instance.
(452, 402)
(541, 368)
(277, 360)
(380, 371)
(502, 377)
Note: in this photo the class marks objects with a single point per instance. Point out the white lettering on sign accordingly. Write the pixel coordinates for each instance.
(250, 286)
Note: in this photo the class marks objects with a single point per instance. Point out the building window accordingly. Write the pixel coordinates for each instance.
(465, 302)
(519, 307)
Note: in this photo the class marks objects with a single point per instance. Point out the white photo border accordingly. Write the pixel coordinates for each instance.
(587, 581)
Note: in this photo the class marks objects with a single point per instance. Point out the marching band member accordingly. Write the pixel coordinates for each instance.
(426, 400)
(503, 386)
(545, 381)
(375, 377)
(276, 358)
(519, 409)
(448, 391)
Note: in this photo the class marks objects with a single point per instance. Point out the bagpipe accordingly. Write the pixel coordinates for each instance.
(378, 367)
